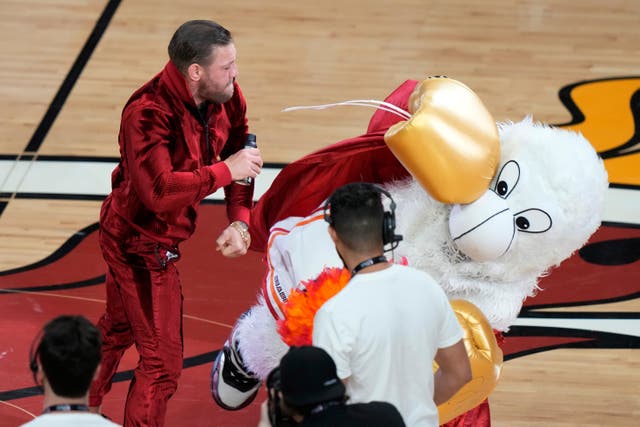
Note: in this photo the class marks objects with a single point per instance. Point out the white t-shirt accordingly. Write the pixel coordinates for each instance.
(383, 331)
(70, 419)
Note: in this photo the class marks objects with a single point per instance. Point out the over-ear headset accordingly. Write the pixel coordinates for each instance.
(34, 351)
(389, 236)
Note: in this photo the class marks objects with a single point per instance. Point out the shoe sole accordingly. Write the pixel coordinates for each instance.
(216, 371)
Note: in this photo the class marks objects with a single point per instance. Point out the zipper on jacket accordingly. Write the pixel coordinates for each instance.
(204, 120)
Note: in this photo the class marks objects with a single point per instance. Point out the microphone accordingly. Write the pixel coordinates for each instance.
(250, 142)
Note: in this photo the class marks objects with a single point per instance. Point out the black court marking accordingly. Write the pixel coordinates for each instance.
(70, 158)
(592, 339)
(567, 100)
(529, 314)
(577, 116)
(595, 339)
(66, 247)
(98, 280)
(60, 196)
(72, 77)
(189, 362)
(527, 310)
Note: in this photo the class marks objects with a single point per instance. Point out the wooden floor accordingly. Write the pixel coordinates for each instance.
(68, 67)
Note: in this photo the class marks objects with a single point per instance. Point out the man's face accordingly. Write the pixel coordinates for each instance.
(216, 83)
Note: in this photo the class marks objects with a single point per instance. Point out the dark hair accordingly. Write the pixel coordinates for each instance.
(69, 353)
(193, 43)
(356, 215)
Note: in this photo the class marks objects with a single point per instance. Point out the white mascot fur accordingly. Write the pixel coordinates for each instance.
(542, 204)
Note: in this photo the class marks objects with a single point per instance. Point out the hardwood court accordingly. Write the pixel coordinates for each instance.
(69, 66)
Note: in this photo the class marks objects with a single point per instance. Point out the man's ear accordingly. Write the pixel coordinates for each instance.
(194, 72)
(39, 375)
(95, 374)
(333, 234)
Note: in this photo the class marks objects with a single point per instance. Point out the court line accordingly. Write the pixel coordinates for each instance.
(47, 294)
(577, 116)
(30, 152)
(72, 77)
(189, 362)
(18, 408)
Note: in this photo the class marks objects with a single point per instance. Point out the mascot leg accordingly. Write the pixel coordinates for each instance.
(252, 350)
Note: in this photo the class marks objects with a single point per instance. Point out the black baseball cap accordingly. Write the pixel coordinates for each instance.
(308, 376)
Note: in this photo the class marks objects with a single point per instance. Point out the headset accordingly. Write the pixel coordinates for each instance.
(389, 236)
(34, 352)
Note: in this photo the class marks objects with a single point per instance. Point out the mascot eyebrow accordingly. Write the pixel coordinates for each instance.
(532, 220)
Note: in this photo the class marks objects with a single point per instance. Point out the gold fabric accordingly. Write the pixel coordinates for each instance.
(485, 358)
(451, 144)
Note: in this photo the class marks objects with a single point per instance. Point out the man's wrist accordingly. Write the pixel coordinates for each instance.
(243, 229)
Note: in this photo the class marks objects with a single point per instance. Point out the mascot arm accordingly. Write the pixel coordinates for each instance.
(449, 126)
(485, 358)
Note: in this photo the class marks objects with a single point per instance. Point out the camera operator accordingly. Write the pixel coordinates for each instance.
(305, 391)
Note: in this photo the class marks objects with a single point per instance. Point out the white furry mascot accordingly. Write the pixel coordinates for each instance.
(484, 211)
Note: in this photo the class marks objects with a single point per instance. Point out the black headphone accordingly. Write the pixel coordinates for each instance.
(389, 236)
(34, 352)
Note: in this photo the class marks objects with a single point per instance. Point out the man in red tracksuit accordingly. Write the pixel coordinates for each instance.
(181, 138)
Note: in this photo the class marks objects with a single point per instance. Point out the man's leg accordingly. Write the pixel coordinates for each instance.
(144, 305)
(116, 338)
(154, 310)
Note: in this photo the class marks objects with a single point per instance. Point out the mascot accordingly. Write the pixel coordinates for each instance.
(486, 210)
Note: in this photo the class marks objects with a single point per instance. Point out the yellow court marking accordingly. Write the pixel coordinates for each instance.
(609, 123)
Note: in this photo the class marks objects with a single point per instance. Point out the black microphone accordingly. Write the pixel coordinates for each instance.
(250, 142)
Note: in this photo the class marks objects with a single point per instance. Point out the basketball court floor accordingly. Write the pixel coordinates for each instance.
(68, 66)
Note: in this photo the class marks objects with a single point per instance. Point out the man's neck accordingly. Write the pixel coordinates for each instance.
(53, 399)
(355, 261)
(193, 88)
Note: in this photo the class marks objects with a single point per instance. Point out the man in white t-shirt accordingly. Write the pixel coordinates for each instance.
(64, 361)
(390, 322)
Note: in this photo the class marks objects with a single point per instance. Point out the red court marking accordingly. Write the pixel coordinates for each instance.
(220, 289)
(577, 281)
(215, 288)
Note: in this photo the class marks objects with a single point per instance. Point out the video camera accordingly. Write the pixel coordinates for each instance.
(277, 416)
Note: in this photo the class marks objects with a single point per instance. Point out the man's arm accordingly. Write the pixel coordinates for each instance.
(454, 371)
(146, 139)
(239, 198)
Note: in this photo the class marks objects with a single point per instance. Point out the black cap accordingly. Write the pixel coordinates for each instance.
(308, 376)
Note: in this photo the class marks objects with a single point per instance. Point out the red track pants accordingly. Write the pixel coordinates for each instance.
(144, 306)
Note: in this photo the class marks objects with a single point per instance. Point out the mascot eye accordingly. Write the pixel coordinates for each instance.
(533, 221)
(507, 179)
(522, 223)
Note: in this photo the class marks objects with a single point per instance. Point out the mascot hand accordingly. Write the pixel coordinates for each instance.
(485, 357)
(451, 144)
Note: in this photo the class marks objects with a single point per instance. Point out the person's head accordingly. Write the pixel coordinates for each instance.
(355, 215)
(308, 379)
(67, 355)
(203, 51)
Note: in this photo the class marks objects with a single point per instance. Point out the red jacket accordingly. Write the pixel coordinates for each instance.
(170, 161)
